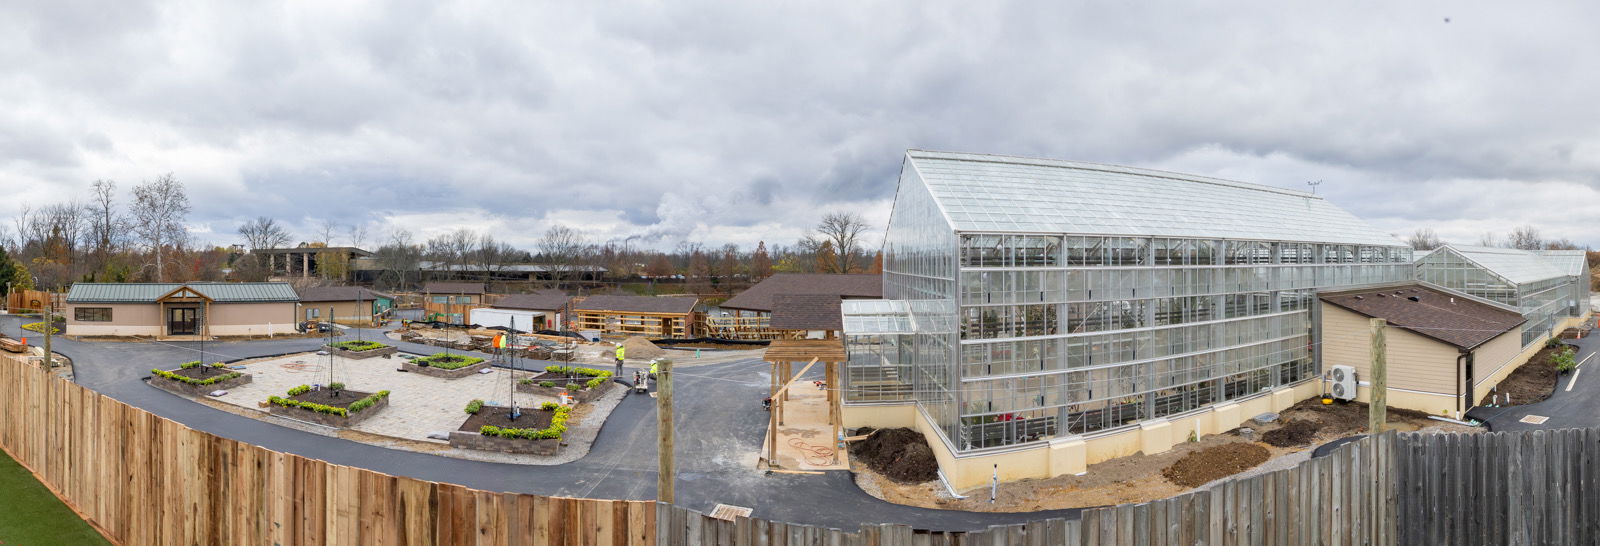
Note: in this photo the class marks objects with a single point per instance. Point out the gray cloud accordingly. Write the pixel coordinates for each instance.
(737, 123)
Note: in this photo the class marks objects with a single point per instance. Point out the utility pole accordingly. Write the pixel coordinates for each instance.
(49, 324)
(1377, 415)
(664, 467)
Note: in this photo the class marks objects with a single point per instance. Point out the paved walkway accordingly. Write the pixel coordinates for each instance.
(1576, 402)
(720, 425)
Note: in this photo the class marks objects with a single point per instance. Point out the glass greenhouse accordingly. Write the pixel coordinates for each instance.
(1546, 285)
(1028, 299)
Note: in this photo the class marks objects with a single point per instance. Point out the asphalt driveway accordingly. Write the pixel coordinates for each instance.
(1576, 402)
(718, 417)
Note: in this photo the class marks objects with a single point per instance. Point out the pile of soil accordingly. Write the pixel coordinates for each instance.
(1201, 467)
(326, 397)
(900, 454)
(1533, 382)
(639, 348)
(500, 416)
(1297, 432)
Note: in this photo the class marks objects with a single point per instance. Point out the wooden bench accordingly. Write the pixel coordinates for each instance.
(12, 346)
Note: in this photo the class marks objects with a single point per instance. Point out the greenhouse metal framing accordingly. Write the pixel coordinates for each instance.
(1030, 299)
(1546, 285)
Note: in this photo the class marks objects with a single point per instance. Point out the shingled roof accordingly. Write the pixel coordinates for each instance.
(543, 300)
(340, 293)
(1454, 319)
(760, 297)
(638, 304)
(806, 312)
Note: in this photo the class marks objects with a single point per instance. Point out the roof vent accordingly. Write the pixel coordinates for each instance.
(1414, 298)
(1359, 297)
(1452, 301)
(1382, 295)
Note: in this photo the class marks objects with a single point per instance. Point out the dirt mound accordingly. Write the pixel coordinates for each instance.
(1201, 467)
(639, 348)
(900, 454)
(1297, 432)
(1533, 382)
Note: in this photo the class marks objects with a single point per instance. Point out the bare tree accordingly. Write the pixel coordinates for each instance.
(1488, 238)
(1562, 244)
(760, 262)
(105, 223)
(358, 234)
(1424, 239)
(843, 229)
(398, 258)
(260, 234)
(561, 248)
(325, 231)
(452, 250)
(1525, 237)
(159, 208)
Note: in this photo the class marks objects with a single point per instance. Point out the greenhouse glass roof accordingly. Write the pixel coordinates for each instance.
(1009, 194)
(1572, 262)
(1517, 266)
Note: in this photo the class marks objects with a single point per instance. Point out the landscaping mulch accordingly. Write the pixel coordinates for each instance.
(1201, 467)
(1533, 382)
(1297, 432)
(533, 418)
(326, 397)
(900, 454)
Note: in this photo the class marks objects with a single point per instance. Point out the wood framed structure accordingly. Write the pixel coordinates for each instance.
(627, 316)
(781, 356)
(453, 302)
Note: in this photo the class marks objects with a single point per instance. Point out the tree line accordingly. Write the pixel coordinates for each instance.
(143, 236)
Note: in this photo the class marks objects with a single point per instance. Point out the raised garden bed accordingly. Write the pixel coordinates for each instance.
(536, 431)
(330, 407)
(445, 366)
(360, 350)
(591, 383)
(193, 379)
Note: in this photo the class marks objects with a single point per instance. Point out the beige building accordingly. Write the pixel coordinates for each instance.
(181, 310)
(1439, 342)
(348, 305)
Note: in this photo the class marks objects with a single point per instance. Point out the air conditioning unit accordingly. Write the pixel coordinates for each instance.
(1342, 381)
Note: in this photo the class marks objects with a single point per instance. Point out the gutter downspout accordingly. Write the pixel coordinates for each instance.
(1461, 366)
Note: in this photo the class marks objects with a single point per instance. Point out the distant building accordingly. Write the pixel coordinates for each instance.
(301, 261)
(452, 302)
(626, 316)
(1548, 286)
(542, 310)
(349, 305)
(181, 310)
(755, 312)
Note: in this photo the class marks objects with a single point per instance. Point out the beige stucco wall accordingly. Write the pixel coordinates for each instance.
(251, 319)
(1415, 363)
(345, 312)
(1072, 455)
(126, 320)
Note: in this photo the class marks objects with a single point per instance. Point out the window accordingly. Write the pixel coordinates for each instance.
(463, 299)
(313, 313)
(441, 299)
(92, 314)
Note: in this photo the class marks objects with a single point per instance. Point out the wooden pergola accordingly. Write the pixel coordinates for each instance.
(781, 355)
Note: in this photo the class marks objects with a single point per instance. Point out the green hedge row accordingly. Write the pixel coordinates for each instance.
(558, 426)
(359, 405)
(196, 364)
(447, 362)
(357, 346)
(599, 376)
(193, 381)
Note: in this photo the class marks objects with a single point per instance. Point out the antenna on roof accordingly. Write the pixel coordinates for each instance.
(1314, 186)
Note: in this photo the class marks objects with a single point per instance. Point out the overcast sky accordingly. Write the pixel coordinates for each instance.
(746, 121)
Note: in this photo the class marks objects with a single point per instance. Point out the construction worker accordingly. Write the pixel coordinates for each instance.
(619, 361)
(652, 369)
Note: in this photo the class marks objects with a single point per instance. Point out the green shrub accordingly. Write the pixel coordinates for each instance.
(190, 364)
(39, 327)
(193, 381)
(448, 362)
(549, 406)
(297, 391)
(474, 407)
(313, 406)
(574, 386)
(369, 401)
(336, 386)
(1566, 361)
(548, 384)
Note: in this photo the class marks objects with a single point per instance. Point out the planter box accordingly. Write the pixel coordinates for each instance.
(184, 389)
(302, 414)
(472, 440)
(431, 371)
(362, 355)
(585, 395)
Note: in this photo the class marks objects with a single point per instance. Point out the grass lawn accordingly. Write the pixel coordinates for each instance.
(30, 515)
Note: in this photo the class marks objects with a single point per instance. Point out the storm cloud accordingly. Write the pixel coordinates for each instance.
(739, 122)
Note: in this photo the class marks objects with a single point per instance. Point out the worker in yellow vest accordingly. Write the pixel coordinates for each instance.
(619, 361)
(652, 369)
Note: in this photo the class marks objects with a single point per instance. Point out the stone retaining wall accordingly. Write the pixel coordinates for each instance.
(473, 440)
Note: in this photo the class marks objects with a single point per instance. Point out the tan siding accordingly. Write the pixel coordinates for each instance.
(240, 319)
(1415, 362)
(127, 319)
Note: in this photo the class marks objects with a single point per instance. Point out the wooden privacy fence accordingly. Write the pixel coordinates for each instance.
(142, 479)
